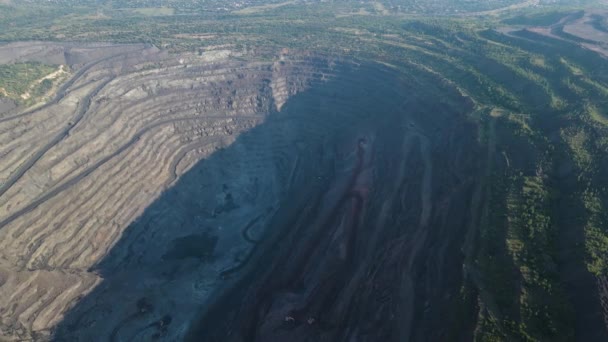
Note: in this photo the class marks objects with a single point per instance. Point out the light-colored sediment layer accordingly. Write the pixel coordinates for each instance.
(76, 172)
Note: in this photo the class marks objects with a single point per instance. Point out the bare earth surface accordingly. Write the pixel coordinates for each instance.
(143, 198)
(78, 170)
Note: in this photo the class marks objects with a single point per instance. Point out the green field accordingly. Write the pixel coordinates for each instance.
(23, 81)
(154, 11)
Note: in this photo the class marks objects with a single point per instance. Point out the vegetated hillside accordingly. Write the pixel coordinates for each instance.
(305, 177)
(435, 7)
(155, 8)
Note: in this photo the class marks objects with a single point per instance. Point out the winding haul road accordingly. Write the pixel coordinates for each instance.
(63, 88)
(82, 111)
(86, 211)
(23, 168)
(69, 183)
(77, 179)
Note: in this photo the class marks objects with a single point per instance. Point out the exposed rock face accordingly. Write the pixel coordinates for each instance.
(61, 53)
(222, 197)
(374, 252)
(78, 171)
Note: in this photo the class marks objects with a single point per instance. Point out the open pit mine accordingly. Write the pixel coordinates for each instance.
(303, 171)
(223, 196)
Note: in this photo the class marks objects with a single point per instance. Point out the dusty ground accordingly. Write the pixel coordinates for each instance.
(77, 171)
(153, 188)
(577, 28)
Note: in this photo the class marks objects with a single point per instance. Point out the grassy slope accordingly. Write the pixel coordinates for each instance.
(24, 82)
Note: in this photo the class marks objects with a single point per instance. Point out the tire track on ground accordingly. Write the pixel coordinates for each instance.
(17, 174)
(54, 192)
(63, 89)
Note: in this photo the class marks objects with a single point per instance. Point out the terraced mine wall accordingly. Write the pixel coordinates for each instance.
(339, 184)
(452, 190)
(379, 239)
(82, 167)
(154, 188)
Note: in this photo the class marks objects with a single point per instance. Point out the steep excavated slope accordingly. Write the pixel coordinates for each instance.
(78, 170)
(346, 190)
(282, 183)
(454, 190)
(374, 254)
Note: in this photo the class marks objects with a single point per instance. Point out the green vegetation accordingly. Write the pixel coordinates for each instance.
(596, 234)
(20, 81)
(154, 11)
(519, 250)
